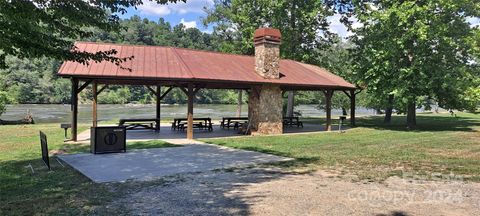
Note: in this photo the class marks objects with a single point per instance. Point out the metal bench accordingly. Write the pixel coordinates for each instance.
(203, 123)
(292, 121)
(234, 122)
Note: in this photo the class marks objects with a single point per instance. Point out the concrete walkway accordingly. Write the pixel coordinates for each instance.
(147, 164)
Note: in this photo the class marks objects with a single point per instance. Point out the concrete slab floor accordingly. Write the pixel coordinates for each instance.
(169, 135)
(148, 164)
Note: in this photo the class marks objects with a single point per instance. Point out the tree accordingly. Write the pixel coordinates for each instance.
(34, 81)
(414, 50)
(303, 25)
(4, 100)
(47, 28)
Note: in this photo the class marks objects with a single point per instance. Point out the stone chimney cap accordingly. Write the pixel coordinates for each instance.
(269, 34)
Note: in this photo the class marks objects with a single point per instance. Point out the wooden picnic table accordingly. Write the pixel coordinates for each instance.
(140, 123)
(228, 121)
(205, 123)
(294, 120)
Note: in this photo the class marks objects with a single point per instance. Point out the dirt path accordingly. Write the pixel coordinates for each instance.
(272, 192)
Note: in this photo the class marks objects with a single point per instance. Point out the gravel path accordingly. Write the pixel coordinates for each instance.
(260, 191)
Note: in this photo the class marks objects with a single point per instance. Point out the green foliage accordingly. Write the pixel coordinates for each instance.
(145, 32)
(299, 21)
(118, 96)
(471, 97)
(416, 50)
(34, 81)
(43, 28)
(4, 100)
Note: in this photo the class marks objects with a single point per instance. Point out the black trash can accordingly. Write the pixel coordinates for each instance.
(108, 139)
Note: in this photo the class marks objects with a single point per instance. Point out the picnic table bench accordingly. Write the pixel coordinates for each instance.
(202, 123)
(291, 121)
(234, 122)
(140, 123)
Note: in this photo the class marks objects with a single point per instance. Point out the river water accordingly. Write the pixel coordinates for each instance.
(57, 113)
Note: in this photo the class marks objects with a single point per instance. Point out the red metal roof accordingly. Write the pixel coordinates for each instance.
(169, 63)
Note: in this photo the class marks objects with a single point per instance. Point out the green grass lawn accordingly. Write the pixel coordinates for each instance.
(441, 144)
(62, 191)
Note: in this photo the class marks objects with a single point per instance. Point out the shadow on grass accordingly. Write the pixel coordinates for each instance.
(297, 162)
(64, 191)
(61, 191)
(150, 144)
(85, 148)
(424, 123)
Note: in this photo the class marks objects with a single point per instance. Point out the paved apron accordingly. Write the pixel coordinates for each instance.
(147, 164)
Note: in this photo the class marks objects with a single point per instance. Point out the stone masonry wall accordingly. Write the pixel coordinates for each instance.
(267, 58)
(265, 110)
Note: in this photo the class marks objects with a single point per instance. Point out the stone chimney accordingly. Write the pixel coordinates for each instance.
(265, 101)
(267, 52)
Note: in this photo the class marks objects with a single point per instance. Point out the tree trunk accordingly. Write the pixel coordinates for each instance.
(389, 110)
(16, 122)
(411, 115)
(344, 111)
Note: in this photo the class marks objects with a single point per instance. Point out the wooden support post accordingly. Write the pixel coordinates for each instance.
(290, 103)
(74, 107)
(190, 93)
(94, 103)
(328, 109)
(352, 107)
(157, 116)
(239, 103)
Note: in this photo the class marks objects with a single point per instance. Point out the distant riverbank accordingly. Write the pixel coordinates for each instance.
(56, 113)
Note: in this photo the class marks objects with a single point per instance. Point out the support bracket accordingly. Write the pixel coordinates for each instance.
(101, 89)
(83, 86)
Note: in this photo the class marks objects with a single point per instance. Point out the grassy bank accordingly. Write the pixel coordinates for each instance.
(441, 143)
(62, 191)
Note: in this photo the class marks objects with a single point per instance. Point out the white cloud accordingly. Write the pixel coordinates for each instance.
(189, 24)
(337, 27)
(208, 31)
(474, 21)
(191, 6)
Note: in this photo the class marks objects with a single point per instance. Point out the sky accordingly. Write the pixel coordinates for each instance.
(191, 13)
